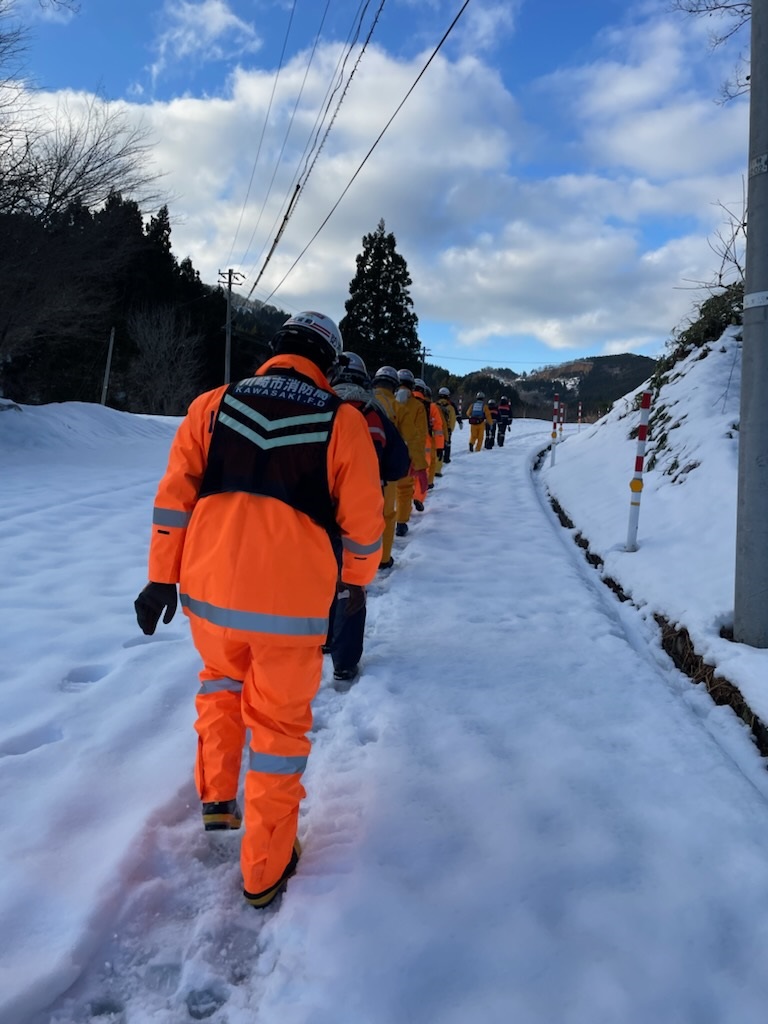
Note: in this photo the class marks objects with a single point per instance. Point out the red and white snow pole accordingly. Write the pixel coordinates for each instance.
(579, 419)
(555, 417)
(636, 483)
(562, 418)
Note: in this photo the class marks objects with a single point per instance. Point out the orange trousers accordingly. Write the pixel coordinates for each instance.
(267, 689)
(390, 514)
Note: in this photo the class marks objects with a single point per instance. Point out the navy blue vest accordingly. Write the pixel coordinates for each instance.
(271, 437)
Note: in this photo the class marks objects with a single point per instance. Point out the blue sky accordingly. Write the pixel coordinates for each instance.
(553, 180)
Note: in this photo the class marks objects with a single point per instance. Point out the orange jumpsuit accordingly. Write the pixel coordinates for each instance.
(430, 444)
(437, 422)
(412, 424)
(257, 576)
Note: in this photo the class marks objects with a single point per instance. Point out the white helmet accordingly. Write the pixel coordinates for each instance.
(444, 392)
(388, 374)
(480, 394)
(314, 327)
(350, 369)
(420, 384)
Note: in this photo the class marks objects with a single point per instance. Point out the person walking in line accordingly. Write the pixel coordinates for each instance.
(437, 421)
(435, 439)
(504, 421)
(262, 474)
(407, 418)
(451, 418)
(490, 428)
(417, 475)
(346, 629)
(479, 415)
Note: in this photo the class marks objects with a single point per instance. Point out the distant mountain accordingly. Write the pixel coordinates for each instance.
(597, 382)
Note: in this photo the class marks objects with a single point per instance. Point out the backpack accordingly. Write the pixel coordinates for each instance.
(476, 414)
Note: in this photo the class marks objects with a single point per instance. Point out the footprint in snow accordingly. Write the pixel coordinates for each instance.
(82, 676)
(26, 742)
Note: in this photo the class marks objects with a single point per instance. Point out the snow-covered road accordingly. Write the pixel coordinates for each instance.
(520, 812)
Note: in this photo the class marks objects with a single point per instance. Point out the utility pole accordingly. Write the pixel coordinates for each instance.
(108, 367)
(424, 355)
(238, 278)
(750, 619)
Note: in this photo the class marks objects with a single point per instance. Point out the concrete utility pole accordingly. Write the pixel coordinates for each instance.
(231, 275)
(750, 620)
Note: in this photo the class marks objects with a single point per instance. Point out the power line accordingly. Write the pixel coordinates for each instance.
(308, 170)
(517, 362)
(288, 131)
(370, 151)
(263, 131)
(333, 86)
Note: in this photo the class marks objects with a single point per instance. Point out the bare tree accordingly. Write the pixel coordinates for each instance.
(732, 16)
(729, 245)
(84, 156)
(164, 375)
(50, 159)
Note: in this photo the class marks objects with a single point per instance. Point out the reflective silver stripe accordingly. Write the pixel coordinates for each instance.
(276, 764)
(219, 685)
(170, 517)
(286, 421)
(360, 549)
(271, 442)
(256, 622)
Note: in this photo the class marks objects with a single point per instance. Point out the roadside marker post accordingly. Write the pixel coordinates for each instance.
(636, 483)
(555, 417)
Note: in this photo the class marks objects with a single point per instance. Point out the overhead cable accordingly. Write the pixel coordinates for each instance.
(306, 173)
(263, 131)
(333, 87)
(368, 154)
(287, 131)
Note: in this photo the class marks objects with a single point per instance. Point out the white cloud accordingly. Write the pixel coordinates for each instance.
(207, 30)
(577, 259)
(649, 107)
(484, 25)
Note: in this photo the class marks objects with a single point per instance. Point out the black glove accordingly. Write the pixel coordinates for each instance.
(461, 424)
(150, 604)
(353, 598)
(439, 454)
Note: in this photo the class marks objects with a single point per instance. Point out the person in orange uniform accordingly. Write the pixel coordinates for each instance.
(437, 433)
(451, 418)
(420, 489)
(417, 475)
(478, 415)
(261, 475)
(350, 381)
(408, 419)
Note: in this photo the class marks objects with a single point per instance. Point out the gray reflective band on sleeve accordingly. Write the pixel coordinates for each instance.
(170, 517)
(255, 622)
(276, 764)
(360, 549)
(220, 685)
